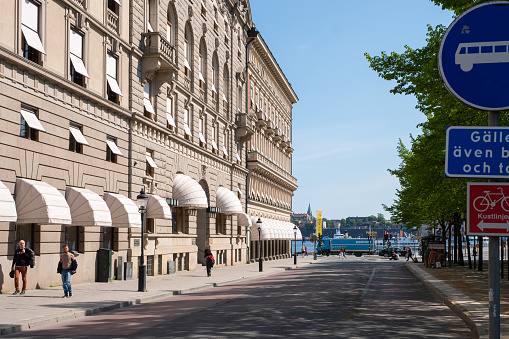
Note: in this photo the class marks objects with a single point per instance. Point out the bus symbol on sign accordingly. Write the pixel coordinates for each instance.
(488, 208)
(473, 58)
(469, 54)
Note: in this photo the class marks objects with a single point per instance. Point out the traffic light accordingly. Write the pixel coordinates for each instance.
(386, 235)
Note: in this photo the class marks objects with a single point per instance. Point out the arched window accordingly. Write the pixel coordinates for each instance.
(188, 50)
(226, 88)
(171, 25)
(202, 63)
(215, 76)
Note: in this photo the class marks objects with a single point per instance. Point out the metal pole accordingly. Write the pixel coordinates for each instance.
(142, 272)
(493, 267)
(295, 246)
(260, 259)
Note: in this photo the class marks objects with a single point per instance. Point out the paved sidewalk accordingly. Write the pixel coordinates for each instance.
(46, 306)
(465, 291)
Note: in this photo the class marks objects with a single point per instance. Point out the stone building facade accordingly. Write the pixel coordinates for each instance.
(99, 99)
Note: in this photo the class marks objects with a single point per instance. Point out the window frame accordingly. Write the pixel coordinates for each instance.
(76, 76)
(110, 155)
(74, 145)
(31, 133)
(171, 112)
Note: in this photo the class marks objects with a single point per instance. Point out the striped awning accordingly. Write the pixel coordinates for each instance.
(227, 201)
(40, 203)
(188, 192)
(7, 204)
(87, 208)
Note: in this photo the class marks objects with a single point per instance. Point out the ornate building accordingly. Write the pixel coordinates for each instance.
(114, 96)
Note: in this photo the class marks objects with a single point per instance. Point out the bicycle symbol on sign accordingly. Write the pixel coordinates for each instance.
(482, 203)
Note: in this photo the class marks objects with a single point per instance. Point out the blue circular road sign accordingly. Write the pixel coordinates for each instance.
(474, 57)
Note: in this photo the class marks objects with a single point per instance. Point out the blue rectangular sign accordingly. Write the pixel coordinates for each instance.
(477, 152)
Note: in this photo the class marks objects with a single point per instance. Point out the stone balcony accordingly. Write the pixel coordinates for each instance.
(244, 127)
(159, 56)
(261, 164)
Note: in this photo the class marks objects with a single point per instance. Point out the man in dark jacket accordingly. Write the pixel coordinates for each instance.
(23, 257)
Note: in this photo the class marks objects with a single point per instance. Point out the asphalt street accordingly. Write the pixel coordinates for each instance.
(333, 299)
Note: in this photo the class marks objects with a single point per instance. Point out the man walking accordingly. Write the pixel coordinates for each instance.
(68, 268)
(23, 257)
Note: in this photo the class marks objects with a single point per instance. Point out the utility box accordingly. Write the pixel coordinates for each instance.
(120, 268)
(104, 265)
(128, 270)
(171, 267)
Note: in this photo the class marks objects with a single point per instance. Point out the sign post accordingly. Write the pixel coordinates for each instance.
(473, 62)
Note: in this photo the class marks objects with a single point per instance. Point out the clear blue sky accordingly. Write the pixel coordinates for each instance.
(346, 124)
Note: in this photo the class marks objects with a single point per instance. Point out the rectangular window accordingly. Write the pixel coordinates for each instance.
(149, 26)
(201, 123)
(30, 124)
(32, 44)
(170, 116)
(108, 237)
(26, 232)
(111, 77)
(151, 225)
(76, 138)
(113, 5)
(225, 146)
(150, 163)
(201, 68)
(214, 139)
(112, 150)
(78, 69)
(147, 100)
(187, 123)
(71, 237)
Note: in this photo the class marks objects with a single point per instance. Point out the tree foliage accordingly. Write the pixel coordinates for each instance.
(426, 196)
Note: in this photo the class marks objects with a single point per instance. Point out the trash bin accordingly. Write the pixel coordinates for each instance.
(171, 267)
(104, 265)
(120, 268)
(128, 270)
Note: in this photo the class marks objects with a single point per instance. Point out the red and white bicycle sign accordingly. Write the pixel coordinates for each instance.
(490, 200)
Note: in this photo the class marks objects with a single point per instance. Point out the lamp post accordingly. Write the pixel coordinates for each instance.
(141, 201)
(295, 246)
(260, 259)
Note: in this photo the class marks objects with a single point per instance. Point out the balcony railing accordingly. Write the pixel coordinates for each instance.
(256, 156)
(154, 45)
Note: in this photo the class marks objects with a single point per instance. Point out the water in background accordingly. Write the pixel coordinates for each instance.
(308, 244)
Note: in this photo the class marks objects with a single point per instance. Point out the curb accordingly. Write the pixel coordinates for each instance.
(39, 322)
(477, 329)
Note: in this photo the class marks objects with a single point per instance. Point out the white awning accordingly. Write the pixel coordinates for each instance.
(214, 145)
(214, 88)
(76, 133)
(224, 98)
(186, 64)
(187, 130)
(113, 147)
(124, 212)
(188, 192)
(238, 157)
(244, 220)
(40, 203)
(240, 192)
(7, 205)
(113, 85)
(151, 161)
(148, 106)
(227, 201)
(31, 120)
(32, 38)
(158, 208)
(274, 229)
(202, 138)
(170, 120)
(118, 2)
(201, 78)
(79, 66)
(87, 208)
(224, 151)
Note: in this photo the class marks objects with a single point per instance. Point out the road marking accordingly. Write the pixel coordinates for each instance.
(368, 283)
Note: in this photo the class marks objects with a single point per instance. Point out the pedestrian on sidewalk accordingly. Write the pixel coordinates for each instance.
(303, 251)
(209, 261)
(66, 267)
(426, 257)
(344, 252)
(409, 254)
(433, 256)
(23, 257)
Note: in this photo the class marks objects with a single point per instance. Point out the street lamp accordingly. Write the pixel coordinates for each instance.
(295, 252)
(141, 201)
(260, 259)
